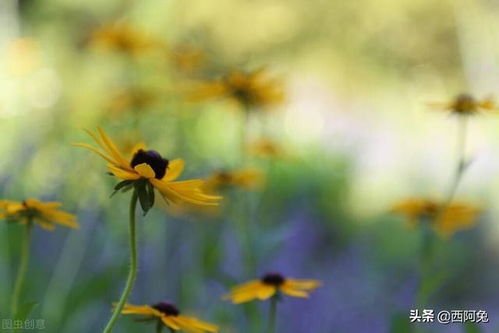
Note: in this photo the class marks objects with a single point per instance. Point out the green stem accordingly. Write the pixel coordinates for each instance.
(159, 326)
(462, 162)
(272, 314)
(428, 238)
(23, 266)
(132, 274)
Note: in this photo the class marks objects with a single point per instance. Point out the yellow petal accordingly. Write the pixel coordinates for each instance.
(138, 309)
(266, 292)
(168, 321)
(97, 151)
(112, 149)
(123, 174)
(175, 168)
(294, 292)
(145, 170)
(302, 284)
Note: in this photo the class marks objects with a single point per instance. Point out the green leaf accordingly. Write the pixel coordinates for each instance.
(25, 310)
(126, 184)
(470, 327)
(144, 201)
(150, 194)
(400, 323)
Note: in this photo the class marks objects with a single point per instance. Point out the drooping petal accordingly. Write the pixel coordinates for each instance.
(193, 325)
(139, 310)
(184, 191)
(293, 292)
(302, 284)
(266, 291)
(60, 217)
(123, 174)
(46, 225)
(168, 321)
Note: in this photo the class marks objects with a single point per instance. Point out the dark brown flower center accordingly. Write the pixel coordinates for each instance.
(166, 308)
(464, 103)
(153, 159)
(273, 279)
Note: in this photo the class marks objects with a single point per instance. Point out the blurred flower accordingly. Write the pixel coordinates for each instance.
(23, 56)
(120, 36)
(132, 99)
(269, 285)
(167, 314)
(148, 170)
(465, 105)
(244, 178)
(187, 57)
(253, 90)
(445, 219)
(266, 148)
(45, 214)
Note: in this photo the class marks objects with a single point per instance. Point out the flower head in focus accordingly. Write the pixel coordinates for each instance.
(270, 285)
(466, 105)
(168, 315)
(45, 214)
(147, 170)
(444, 219)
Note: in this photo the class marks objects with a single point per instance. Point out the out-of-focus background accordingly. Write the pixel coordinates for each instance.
(354, 134)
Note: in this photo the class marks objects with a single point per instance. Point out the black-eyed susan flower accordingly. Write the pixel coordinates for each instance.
(168, 315)
(148, 170)
(145, 171)
(269, 285)
(249, 178)
(253, 90)
(466, 105)
(445, 219)
(132, 99)
(186, 58)
(33, 211)
(121, 37)
(28, 213)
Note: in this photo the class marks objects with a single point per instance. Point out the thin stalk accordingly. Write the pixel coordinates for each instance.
(428, 238)
(132, 274)
(272, 314)
(462, 162)
(23, 267)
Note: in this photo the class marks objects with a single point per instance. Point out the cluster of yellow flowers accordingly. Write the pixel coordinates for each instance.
(146, 172)
(447, 217)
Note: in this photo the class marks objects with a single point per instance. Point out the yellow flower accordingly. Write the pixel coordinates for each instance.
(444, 219)
(120, 36)
(253, 89)
(148, 170)
(132, 99)
(45, 214)
(266, 148)
(186, 57)
(170, 316)
(269, 285)
(465, 105)
(244, 178)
